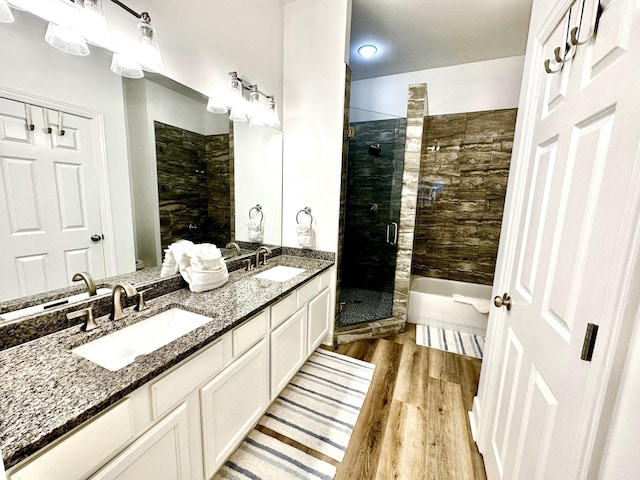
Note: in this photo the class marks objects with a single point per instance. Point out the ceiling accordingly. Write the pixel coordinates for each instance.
(421, 34)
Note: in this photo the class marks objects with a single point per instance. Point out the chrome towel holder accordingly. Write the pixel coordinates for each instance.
(254, 211)
(307, 211)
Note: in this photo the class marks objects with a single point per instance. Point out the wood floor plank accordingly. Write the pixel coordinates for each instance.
(404, 440)
(448, 451)
(365, 447)
(413, 375)
(469, 376)
(443, 365)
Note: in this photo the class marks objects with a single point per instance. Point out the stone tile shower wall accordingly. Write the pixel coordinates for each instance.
(194, 185)
(461, 194)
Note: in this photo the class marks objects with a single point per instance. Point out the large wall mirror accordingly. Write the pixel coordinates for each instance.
(192, 174)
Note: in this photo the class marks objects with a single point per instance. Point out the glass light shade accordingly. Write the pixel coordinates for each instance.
(147, 52)
(237, 115)
(92, 25)
(257, 111)
(125, 67)
(235, 98)
(215, 105)
(5, 12)
(21, 4)
(66, 40)
(272, 119)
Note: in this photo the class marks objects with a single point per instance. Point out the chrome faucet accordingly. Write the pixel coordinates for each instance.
(262, 249)
(235, 247)
(116, 310)
(88, 279)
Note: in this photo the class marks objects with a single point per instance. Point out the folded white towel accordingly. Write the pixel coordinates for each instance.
(305, 235)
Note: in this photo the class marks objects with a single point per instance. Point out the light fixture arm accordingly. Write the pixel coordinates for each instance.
(246, 85)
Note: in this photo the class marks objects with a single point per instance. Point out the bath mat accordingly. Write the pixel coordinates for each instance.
(450, 341)
(263, 457)
(321, 404)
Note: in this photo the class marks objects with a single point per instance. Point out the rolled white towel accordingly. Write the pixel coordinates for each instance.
(204, 280)
(481, 305)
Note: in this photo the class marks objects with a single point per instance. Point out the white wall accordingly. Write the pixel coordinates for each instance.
(31, 66)
(314, 82)
(471, 87)
(258, 179)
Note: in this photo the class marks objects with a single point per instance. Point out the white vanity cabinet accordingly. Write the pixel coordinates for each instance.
(185, 423)
(232, 403)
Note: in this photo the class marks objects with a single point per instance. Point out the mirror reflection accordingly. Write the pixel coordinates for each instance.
(124, 163)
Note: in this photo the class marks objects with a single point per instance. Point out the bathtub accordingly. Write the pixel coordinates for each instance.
(431, 303)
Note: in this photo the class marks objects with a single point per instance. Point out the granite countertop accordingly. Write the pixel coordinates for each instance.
(46, 390)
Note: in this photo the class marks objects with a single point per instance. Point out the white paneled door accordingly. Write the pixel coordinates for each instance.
(49, 209)
(576, 187)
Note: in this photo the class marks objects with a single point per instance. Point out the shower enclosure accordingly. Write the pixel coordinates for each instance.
(372, 214)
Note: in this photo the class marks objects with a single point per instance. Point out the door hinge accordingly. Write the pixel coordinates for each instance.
(589, 342)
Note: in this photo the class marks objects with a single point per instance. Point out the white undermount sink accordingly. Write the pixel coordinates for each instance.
(122, 347)
(281, 273)
(50, 305)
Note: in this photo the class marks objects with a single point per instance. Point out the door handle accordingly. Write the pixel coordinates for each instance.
(503, 301)
(97, 238)
(395, 233)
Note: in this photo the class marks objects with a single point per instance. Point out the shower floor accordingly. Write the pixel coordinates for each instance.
(364, 306)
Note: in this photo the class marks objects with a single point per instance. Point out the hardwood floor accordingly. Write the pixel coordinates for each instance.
(413, 424)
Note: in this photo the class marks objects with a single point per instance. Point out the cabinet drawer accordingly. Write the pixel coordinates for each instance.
(82, 450)
(325, 279)
(306, 292)
(283, 310)
(249, 333)
(169, 390)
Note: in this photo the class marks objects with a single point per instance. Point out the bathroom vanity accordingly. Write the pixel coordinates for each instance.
(177, 412)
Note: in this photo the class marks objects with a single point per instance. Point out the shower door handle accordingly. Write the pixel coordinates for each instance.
(395, 233)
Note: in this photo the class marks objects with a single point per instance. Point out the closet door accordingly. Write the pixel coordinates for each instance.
(49, 209)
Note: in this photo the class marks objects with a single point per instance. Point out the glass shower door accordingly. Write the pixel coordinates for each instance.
(372, 215)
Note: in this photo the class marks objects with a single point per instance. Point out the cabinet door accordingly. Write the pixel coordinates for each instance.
(160, 453)
(231, 405)
(98, 440)
(318, 319)
(288, 350)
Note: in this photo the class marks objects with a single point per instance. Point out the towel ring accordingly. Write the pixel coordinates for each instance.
(258, 209)
(307, 211)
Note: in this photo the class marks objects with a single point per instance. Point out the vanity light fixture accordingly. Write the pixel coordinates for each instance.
(252, 108)
(78, 22)
(5, 12)
(367, 51)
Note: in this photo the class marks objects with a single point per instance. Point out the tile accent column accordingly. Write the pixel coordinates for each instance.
(416, 111)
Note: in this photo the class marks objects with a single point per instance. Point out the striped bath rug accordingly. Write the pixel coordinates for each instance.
(450, 341)
(263, 457)
(320, 406)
